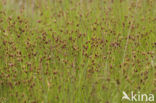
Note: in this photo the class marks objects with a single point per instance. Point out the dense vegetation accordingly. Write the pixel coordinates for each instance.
(76, 51)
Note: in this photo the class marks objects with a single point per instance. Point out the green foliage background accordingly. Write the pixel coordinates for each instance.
(76, 51)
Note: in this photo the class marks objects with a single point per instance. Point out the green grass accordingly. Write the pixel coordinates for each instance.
(76, 51)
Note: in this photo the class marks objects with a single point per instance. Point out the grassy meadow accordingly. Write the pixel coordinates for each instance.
(76, 51)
